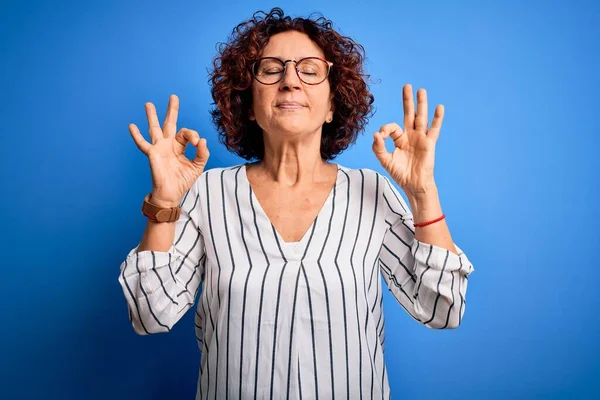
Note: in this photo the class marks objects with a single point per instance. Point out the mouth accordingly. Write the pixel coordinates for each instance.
(290, 105)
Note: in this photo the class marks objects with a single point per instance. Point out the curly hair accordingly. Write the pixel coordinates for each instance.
(231, 80)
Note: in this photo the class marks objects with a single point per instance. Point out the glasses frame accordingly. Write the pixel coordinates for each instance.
(284, 64)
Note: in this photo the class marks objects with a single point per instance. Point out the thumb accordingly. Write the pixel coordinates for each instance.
(379, 147)
(202, 152)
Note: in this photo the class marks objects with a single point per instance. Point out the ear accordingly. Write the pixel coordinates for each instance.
(251, 115)
(331, 108)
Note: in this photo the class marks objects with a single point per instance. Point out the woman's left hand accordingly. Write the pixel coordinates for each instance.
(411, 162)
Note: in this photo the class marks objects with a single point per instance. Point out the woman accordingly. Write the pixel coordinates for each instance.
(286, 251)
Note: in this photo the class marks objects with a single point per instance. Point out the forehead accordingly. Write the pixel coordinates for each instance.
(291, 45)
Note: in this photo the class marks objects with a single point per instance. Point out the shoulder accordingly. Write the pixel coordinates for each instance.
(362, 175)
(212, 176)
(218, 171)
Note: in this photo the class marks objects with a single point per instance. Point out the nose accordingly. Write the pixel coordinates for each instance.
(290, 79)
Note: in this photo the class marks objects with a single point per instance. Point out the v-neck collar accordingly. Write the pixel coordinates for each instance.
(293, 250)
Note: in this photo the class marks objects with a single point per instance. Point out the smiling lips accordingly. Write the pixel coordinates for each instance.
(290, 105)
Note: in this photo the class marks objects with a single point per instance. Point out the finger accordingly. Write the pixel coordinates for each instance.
(139, 140)
(409, 107)
(202, 153)
(421, 119)
(170, 124)
(379, 148)
(392, 130)
(436, 125)
(153, 125)
(186, 136)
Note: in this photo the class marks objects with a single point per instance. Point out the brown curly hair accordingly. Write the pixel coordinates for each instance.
(231, 80)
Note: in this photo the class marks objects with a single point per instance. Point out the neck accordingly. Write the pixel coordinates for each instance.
(294, 169)
(293, 161)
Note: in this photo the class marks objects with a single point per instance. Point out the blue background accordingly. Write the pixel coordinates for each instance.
(516, 167)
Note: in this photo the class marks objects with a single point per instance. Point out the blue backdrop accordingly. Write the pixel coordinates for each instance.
(516, 167)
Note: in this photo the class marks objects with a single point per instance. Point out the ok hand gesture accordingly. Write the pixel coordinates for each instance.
(411, 162)
(172, 173)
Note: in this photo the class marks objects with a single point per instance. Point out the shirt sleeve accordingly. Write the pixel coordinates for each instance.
(161, 286)
(430, 282)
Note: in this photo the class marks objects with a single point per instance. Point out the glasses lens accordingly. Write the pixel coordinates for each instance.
(268, 70)
(312, 70)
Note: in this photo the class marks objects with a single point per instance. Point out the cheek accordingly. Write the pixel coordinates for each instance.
(321, 100)
(260, 102)
(322, 107)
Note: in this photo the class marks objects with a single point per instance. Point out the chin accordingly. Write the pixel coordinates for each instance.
(291, 127)
(294, 130)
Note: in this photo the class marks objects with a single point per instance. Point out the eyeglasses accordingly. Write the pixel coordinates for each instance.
(310, 70)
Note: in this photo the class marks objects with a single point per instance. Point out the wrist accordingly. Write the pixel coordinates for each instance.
(157, 201)
(424, 197)
(425, 206)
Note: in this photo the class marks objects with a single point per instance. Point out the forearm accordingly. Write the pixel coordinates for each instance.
(159, 287)
(158, 236)
(425, 207)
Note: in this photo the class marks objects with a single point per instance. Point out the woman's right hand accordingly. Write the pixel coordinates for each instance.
(172, 173)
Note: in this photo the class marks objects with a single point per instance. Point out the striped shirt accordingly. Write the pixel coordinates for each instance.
(280, 319)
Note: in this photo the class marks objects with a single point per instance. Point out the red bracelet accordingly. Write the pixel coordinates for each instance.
(430, 222)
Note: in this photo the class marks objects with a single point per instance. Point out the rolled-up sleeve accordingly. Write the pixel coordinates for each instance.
(160, 287)
(430, 282)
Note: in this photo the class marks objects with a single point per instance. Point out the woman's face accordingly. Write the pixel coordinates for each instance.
(316, 101)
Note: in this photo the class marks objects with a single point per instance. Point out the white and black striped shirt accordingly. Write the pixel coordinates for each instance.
(282, 320)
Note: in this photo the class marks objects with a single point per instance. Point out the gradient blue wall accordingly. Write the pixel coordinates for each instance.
(516, 167)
